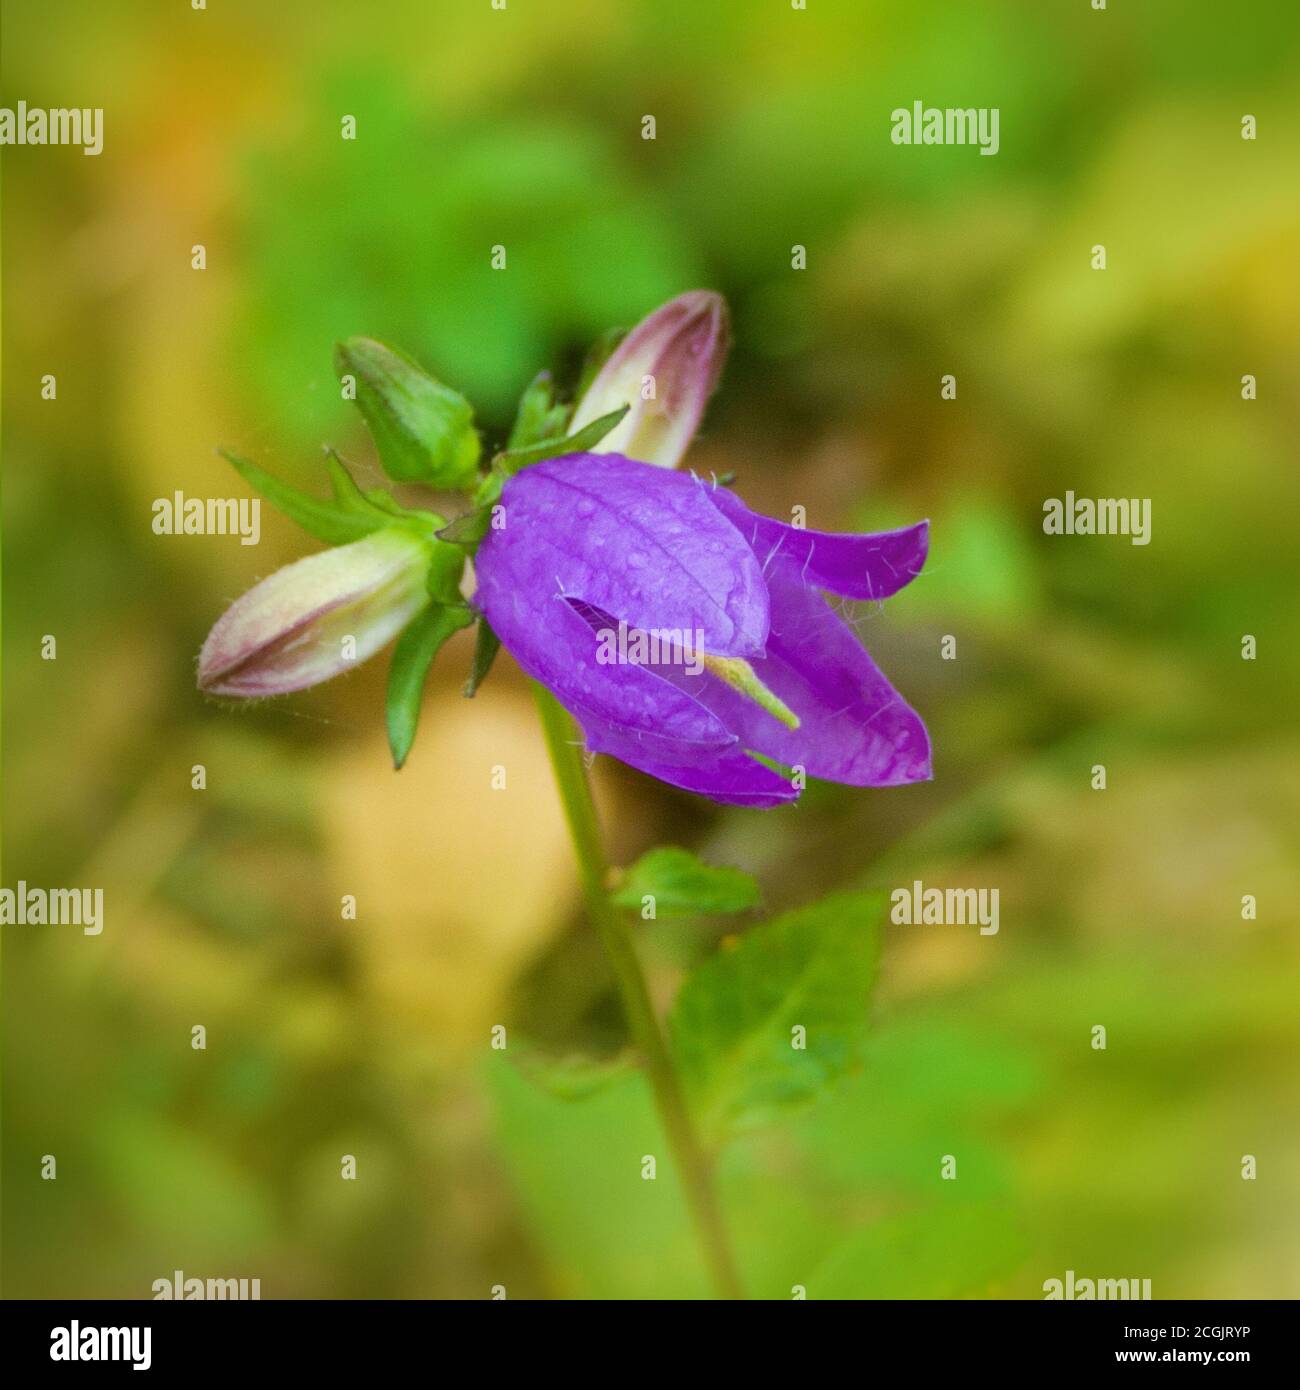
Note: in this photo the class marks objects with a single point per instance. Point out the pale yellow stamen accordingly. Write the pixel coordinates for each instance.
(739, 675)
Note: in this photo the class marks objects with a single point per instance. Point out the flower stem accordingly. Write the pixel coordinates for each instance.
(564, 745)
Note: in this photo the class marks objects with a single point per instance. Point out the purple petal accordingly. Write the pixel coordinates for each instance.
(723, 774)
(639, 542)
(870, 566)
(591, 541)
(854, 726)
(550, 639)
(630, 712)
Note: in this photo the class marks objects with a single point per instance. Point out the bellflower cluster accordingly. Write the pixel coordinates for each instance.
(583, 526)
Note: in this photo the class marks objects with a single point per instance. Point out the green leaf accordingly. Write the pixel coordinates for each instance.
(601, 1231)
(571, 1077)
(539, 415)
(510, 462)
(467, 530)
(486, 646)
(734, 1020)
(413, 656)
(680, 882)
(327, 521)
(949, 1249)
(424, 431)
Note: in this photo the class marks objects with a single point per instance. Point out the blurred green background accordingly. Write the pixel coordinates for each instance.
(326, 1037)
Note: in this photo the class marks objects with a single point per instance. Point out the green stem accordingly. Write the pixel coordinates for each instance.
(564, 745)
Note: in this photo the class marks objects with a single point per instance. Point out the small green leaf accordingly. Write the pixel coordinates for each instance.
(538, 416)
(413, 656)
(680, 882)
(424, 431)
(572, 1077)
(467, 530)
(586, 438)
(486, 646)
(739, 1020)
(327, 521)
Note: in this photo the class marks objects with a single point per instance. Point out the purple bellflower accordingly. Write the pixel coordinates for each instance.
(749, 657)
(690, 637)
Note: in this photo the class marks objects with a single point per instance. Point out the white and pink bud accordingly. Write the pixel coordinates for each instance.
(665, 370)
(318, 617)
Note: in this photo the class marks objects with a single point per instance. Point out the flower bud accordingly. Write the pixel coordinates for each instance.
(424, 431)
(292, 630)
(665, 369)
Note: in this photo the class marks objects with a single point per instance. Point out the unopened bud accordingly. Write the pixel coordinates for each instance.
(665, 370)
(292, 630)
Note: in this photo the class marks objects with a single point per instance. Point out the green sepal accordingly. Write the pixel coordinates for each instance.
(377, 502)
(486, 646)
(424, 431)
(386, 503)
(469, 529)
(412, 657)
(446, 567)
(333, 522)
(513, 460)
(681, 882)
(539, 415)
(350, 498)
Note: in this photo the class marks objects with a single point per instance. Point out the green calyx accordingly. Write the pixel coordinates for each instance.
(347, 515)
(424, 431)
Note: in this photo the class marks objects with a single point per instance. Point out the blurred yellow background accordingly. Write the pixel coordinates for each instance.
(329, 1037)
